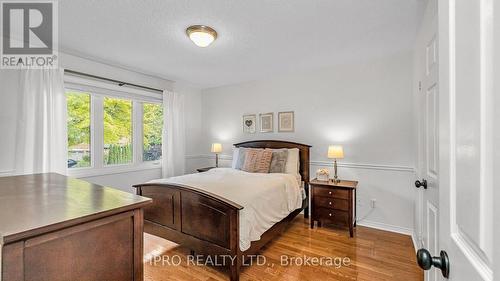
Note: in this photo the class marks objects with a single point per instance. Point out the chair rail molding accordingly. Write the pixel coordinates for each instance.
(323, 163)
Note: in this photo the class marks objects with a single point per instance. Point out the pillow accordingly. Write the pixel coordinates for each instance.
(236, 154)
(292, 161)
(241, 158)
(257, 160)
(278, 161)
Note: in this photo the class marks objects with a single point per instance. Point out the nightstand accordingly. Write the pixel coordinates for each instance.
(201, 170)
(334, 203)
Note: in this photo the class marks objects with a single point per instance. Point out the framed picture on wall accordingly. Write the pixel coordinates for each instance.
(266, 122)
(286, 122)
(249, 123)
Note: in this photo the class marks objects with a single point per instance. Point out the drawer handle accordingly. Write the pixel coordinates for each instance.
(329, 192)
(330, 203)
(330, 214)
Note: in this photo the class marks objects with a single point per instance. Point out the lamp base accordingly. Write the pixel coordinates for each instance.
(335, 177)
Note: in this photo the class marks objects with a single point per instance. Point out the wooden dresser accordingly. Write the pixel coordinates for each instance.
(334, 203)
(57, 228)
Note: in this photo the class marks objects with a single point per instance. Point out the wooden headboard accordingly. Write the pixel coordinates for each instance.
(275, 144)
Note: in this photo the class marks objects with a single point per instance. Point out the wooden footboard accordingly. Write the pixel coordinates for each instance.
(207, 223)
(196, 219)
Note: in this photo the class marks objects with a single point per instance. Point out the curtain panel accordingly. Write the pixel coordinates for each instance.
(173, 135)
(41, 123)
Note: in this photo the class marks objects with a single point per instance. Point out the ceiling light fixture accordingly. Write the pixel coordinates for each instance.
(201, 35)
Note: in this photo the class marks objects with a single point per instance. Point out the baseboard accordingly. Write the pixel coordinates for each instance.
(387, 227)
(414, 239)
(5, 173)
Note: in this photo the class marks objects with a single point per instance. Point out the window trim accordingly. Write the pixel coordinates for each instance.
(92, 141)
(113, 169)
(97, 167)
(141, 129)
(132, 119)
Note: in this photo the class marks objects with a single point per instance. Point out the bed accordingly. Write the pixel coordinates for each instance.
(199, 216)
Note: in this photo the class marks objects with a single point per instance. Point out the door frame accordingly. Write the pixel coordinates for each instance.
(427, 40)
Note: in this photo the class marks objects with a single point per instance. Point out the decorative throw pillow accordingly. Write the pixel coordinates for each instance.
(257, 161)
(264, 163)
(250, 159)
(278, 161)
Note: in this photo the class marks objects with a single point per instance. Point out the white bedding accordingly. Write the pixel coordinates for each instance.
(266, 198)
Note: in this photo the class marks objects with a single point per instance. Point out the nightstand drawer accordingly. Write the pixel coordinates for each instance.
(332, 215)
(330, 192)
(331, 203)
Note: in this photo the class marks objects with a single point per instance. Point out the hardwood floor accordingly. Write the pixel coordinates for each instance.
(374, 255)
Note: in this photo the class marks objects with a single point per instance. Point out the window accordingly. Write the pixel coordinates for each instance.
(78, 129)
(152, 128)
(112, 130)
(117, 131)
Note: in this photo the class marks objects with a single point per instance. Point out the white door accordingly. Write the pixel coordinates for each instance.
(427, 207)
(465, 107)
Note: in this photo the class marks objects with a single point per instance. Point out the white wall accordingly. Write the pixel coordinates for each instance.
(100, 69)
(9, 87)
(365, 106)
(192, 115)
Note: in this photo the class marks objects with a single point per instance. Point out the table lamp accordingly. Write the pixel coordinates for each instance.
(216, 148)
(335, 152)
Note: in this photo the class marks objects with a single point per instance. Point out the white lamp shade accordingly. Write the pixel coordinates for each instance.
(335, 151)
(216, 148)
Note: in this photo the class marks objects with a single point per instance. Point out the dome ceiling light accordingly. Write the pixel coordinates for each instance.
(201, 35)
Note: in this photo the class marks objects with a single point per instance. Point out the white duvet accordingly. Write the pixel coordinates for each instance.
(266, 198)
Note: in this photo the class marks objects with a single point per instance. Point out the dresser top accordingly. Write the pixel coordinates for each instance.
(342, 183)
(34, 204)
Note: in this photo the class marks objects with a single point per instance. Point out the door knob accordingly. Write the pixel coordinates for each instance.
(422, 183)
(426, 261)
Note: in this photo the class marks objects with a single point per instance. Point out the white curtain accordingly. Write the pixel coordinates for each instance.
(173, 148)
(41, 123)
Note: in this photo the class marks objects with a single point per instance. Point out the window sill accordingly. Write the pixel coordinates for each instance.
(111, 170)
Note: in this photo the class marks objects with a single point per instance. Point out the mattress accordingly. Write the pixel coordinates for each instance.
(266, 198)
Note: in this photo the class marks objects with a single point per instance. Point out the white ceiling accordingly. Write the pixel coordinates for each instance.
(257, 38)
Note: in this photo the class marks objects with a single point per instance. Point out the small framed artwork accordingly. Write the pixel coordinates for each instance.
(266, 122)
(286, 121)
(249, 123)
